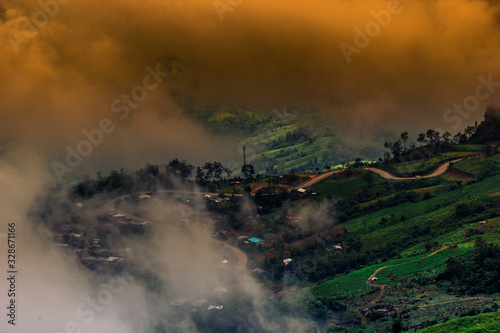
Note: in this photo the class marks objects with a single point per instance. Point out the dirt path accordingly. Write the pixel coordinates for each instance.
(384, 174)
(313, 181)
(382, 286)
(440, 170)
(458, 300)
(242, 257)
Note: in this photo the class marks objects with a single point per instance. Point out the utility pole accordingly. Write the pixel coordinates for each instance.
(244, 156)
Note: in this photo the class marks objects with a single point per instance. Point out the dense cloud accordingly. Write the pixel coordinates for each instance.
(421, 59)
(173, 264)
(65, 77)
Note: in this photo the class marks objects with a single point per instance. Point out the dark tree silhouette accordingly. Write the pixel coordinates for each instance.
(247, 170)
(422, 139)
(182, 169)
(368, 178)
(446, 137)
(404, 137)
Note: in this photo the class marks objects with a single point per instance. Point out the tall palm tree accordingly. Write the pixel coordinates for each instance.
(404, 137)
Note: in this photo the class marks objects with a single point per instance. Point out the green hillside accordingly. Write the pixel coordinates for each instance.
(485, 322)
(355, 249)
(409, 243)
(280, 141)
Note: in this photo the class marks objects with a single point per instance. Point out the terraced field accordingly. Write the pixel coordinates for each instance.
(409, 268)
(430, 163)
(354, 284)
(486, 322)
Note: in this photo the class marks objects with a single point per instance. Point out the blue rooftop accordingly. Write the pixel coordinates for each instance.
(255, 240)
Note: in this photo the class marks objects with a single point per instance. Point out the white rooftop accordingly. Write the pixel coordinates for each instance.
(217, 307)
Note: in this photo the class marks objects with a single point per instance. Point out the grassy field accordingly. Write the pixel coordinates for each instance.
(468, 147)
(485, 322)
(348, 286)
(413, 266)
(490, 231)
(339, 188)
(409, 279)
(354, 284)
(423, 211)
(429, 163)
(268, 148)
(473, 165)
(345, 187)
(433, 190)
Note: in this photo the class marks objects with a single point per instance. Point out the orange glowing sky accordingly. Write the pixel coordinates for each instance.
(63, 78)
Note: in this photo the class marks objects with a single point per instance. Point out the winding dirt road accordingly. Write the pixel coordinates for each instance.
(440, 170)
(384, 174)
(313, 181)
(382, 286)
(459, 300)
(242, 257)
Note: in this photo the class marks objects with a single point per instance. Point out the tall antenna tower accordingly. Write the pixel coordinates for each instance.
(244, 156)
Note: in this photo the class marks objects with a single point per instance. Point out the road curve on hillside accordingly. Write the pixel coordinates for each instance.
(440, 170)
(242, 256)
(384, 174)
(369, 281)
(313, 181)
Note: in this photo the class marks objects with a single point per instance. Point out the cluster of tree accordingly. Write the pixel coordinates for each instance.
(116, 181)
(435, 142)
(152, 177)
(181, 169)
(464, 209)
(290, 139)
(212, 173)
(488, 130)
(477, 271)
(269, 202)
(247, 170)
(433, 139)
(149, 178)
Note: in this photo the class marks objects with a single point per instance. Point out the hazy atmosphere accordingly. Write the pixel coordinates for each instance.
(93, 86)
(63, 78)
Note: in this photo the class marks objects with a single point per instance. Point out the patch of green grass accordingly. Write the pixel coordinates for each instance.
(339, 188)
(490, 232)
(354, 283)
(409, 269)
(347, 286)
(428, 163)
(271, 135)
(345, 187)
(468, 147)
(485, 322)
(434, 190)
(474, 164)
(424, 212)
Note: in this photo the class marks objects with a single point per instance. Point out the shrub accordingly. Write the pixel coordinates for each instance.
(462, 210)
